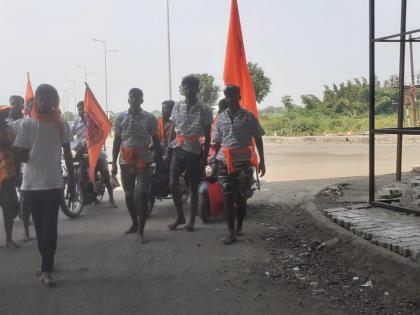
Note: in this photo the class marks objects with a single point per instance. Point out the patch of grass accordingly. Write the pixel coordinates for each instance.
(300, 122)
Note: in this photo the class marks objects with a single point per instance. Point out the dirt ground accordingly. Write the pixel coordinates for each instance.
(331, 280)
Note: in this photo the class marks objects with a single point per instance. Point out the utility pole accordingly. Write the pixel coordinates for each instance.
(74, 94)
(106, 51)
(412, 95)
(169, 49)
(85, 70)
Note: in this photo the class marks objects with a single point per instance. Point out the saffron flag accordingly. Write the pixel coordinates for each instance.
(29, 92)
(236, 68)
(98, 127)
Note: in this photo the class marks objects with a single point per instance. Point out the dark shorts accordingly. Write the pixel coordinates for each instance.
(186, 161)
(240, 181)
(8, 199)
(134, 182)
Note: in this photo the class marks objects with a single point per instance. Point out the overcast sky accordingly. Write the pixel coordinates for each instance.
(300, 44)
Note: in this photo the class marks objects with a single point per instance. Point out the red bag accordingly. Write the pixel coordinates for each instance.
(217, 201)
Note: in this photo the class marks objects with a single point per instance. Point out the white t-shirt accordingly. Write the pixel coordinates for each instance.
(43, 139)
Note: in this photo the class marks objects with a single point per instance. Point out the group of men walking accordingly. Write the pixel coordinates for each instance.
(178, 143)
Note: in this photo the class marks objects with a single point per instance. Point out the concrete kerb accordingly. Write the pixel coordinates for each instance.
(336, 139)
(323, 222)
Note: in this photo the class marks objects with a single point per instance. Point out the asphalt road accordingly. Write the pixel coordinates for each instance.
(101, 271)
(302, 162)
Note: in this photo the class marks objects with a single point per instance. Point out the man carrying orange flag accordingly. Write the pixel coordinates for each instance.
(235, 129)
(80, 130)
(236, 68)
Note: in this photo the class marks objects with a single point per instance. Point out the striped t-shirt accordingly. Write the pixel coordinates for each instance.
(191, 123)
(136, 130)
(237, 132)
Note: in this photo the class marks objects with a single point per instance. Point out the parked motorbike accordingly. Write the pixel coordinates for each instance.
(160, 187)
(209, 178)
(85, 192)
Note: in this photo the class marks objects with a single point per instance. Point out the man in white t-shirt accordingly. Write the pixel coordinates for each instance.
(39, 141)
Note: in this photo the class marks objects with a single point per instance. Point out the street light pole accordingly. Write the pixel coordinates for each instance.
(85, 70)
(169, 49)
(106, 51)
(74, 93)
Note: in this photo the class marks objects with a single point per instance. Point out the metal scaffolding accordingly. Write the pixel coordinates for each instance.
(403, 37)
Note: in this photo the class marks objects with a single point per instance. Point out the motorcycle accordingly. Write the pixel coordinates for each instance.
(204, 208)
(160, 187)
(85, 192)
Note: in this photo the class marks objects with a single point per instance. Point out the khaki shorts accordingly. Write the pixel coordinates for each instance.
(134, 182)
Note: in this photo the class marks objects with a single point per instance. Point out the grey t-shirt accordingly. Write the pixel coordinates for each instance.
(44, 141)
(191, 123)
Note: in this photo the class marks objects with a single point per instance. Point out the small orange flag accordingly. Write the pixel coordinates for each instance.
(29, 92)
(98, 127)
(236, 68)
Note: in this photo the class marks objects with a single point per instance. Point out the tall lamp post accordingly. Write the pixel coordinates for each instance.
(74, 94)
(84, 69)
(169, 49)
(106, 51)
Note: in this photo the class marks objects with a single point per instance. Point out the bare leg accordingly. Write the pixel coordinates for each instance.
(176, 195)
(10, 212)
(142, 209)
(230, 218)
(131, 207)
(193, 205)
(241, 211)
(105, 175)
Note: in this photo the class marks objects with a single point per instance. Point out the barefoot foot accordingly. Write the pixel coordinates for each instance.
(133, 229)
(11, 245)
(190, 227)
(239, 232)
(229, 240)
(174, 225)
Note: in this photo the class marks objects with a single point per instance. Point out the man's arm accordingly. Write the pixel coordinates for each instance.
(206, 147)
(157, 148)
(260, 148)
(115, 151)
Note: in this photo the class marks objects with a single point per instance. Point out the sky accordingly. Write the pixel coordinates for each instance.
(301, 45)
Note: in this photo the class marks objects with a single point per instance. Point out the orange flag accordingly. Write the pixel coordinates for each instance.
(98, 127)
(236, 68)
(29, 92)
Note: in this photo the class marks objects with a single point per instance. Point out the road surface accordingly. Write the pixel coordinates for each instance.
(102, 271)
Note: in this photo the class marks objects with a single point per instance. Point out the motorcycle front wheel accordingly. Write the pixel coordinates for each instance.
(72, 208)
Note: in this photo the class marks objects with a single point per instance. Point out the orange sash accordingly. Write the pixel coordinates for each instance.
(134, 155)
(228, 153)
(180, 139)
(161, 129)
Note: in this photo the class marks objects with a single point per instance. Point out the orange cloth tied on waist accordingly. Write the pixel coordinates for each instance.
(228, 154)
(180, 139)
(134, 155)
(161, 129)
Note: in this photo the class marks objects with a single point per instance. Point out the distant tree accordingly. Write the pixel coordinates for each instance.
(68, 116)
(262, 83)
(209, 92)
(310, 101)
(287, 102)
